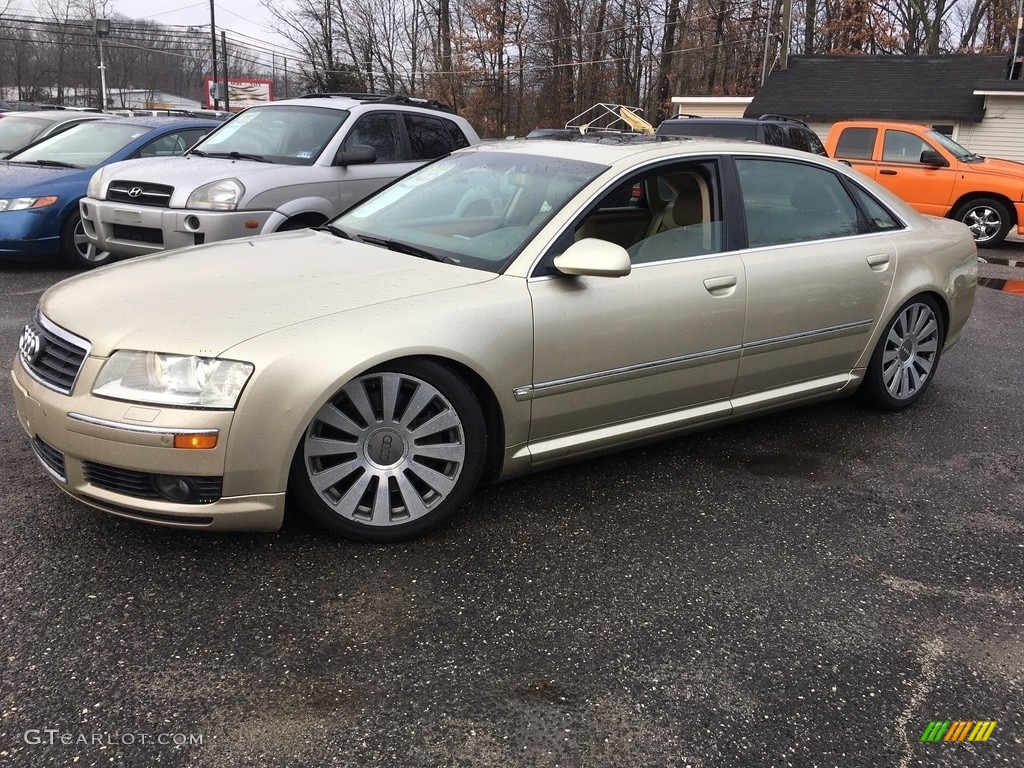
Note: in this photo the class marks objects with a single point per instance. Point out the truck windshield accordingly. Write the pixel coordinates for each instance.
(290, 135)
(960, 153)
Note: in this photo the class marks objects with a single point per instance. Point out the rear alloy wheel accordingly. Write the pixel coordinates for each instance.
(393, 454)
(76, 250)
(906, 357)
(989, 220)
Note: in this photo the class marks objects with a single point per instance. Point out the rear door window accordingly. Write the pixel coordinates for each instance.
(429, 137)
(856, 143)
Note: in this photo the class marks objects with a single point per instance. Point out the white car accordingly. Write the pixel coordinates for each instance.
(280, 166)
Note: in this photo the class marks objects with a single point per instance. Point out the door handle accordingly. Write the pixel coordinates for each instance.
(879, 262)
(887, 173)
(721, 286)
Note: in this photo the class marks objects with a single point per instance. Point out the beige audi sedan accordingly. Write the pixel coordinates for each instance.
(507, 308)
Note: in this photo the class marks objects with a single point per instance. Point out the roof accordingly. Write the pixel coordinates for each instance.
(161, 121)
(918, 88)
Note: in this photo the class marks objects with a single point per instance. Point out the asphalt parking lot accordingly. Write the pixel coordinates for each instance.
(812, 588)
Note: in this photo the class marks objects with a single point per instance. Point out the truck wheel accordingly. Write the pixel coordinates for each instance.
(76, 250)
(988, 219)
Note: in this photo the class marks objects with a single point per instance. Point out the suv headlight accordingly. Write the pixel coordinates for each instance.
(188, 380)
(95, 188)
(24, 203)
(221, 195)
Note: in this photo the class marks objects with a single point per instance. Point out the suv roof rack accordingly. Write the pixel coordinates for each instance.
(783, 118)
(686, 115)
(384, 98)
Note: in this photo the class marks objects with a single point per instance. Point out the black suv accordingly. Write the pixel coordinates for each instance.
(767, 129)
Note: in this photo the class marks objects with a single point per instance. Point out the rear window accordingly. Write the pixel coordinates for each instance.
(856, 143)
(743, 131)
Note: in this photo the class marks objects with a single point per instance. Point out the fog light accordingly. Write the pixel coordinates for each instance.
(174, 488)
(192, 222)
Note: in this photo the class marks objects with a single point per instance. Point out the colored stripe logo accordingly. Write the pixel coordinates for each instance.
(958, 730)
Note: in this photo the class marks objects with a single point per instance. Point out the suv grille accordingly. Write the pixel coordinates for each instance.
(52, 355)
(140, 193)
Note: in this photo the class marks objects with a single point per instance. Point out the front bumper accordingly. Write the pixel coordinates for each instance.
(29, 234)
(104, 453)
(135, 230)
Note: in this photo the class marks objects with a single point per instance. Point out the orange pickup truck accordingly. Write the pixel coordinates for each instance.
(935, 174)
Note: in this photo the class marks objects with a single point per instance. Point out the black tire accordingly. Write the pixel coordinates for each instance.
(75, 248)
(413, 425)
(906, 356)
(989, 220)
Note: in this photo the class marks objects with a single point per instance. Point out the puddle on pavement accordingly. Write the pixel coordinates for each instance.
(1016, 287)
(1002, 262)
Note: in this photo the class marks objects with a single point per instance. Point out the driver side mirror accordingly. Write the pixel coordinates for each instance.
(357, 154)
(933, 158)
(593, 258)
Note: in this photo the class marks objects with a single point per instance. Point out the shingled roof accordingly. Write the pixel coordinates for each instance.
(920, 88)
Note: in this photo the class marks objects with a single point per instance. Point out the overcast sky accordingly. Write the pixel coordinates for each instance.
(244, 17)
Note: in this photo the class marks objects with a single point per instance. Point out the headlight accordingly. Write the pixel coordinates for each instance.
(24, 203)
(221, 195)
(95, 188)
(154, 377)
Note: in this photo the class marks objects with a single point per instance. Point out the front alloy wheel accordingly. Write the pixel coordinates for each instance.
(988, 220)
(392, 454)
(907, 354)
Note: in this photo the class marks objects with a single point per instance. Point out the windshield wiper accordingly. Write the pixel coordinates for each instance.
(399, 247)
(237, 156)
(49, 163)
(335, 230)
(412, 250)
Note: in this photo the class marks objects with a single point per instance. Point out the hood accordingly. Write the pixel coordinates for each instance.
(205, 299)
(998, 167)
(22, 180)
(188, 172)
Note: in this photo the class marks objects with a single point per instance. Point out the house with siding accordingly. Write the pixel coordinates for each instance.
(970, 97)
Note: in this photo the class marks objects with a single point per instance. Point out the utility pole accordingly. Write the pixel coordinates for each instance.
(1014, 67)
(787, 21)
(213, 56)
(224, 53)
(101, 28)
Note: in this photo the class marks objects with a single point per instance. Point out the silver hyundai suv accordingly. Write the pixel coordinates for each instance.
(285, 165)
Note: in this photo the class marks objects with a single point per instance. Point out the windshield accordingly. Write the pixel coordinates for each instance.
(478, 209)
(83, 146)
(291, 135)
(18, 131)
(960, 153)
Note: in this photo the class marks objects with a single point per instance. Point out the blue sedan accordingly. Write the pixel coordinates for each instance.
(40, 185)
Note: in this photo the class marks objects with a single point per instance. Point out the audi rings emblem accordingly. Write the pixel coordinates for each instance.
(31, 345)
(134, 192)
